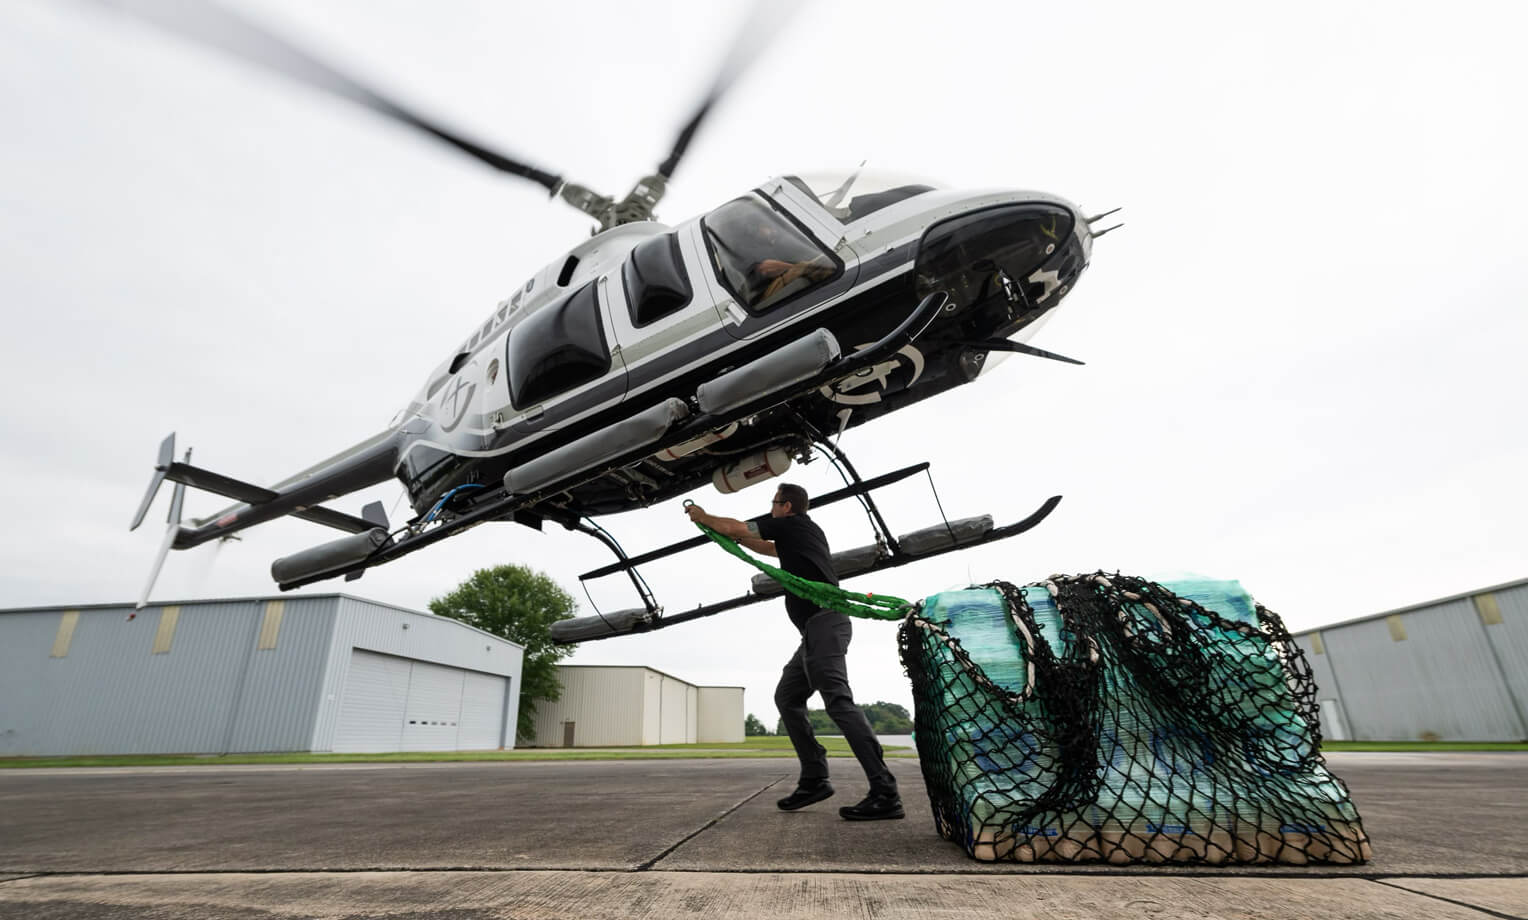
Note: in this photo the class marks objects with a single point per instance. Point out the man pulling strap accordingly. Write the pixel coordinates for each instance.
(818, 664)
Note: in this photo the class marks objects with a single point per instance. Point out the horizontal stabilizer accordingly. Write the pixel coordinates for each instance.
(339, 520)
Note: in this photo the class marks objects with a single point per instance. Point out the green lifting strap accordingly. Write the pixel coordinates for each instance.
(869, 606)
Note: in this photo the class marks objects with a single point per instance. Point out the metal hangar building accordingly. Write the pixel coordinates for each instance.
(326, 672)
(1453, 669)
(630, 705)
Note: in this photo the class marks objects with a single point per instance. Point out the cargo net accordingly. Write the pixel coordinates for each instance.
(1108, 718)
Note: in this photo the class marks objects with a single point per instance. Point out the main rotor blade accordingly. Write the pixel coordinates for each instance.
(212, 26)
(765, 20)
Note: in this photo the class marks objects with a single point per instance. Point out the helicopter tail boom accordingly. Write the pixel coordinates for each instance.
(364, 465)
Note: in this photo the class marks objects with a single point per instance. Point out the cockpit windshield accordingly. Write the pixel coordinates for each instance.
(762, 257)
(852, 194)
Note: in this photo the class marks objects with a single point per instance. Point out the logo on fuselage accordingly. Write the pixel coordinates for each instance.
(867, 386)
(454, 402)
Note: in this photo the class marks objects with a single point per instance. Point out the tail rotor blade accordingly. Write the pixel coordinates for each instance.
(177, 502)
(204, 23)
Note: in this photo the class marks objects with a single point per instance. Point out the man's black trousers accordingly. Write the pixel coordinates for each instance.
(818, 665)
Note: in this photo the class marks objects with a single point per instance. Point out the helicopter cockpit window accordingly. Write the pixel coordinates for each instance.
(655, 281)
(850, 196)
(761, 256)
(557, 348)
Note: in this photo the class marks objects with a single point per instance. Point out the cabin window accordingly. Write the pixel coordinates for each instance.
(762, 257)
(656, 284)
(557, 348)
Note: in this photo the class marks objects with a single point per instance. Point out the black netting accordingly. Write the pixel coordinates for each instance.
(1108, 718)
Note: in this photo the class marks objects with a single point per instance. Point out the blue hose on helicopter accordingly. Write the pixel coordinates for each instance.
(445, 498)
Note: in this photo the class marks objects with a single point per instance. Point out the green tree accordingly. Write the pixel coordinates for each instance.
(752, 726)
(518, 604)
(822, 723)
(889, 718)
(884, 718)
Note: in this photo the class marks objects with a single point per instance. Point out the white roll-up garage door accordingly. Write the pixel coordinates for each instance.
(372, 706)
(435, 706)
(398, 704)
(482, 722)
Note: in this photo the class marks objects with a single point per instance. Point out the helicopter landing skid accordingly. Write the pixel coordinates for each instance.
(888, 552)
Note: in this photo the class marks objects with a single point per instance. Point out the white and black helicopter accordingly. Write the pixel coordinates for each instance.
(652, 359)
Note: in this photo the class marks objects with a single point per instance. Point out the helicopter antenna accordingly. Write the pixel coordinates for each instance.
(842, 190)
(1098, 217)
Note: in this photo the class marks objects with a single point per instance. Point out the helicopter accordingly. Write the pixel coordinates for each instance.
(652, 359)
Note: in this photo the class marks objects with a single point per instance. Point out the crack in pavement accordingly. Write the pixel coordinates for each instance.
(1457, 903)
(707, 826)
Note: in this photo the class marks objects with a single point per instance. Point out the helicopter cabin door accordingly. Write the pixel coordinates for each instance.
(662, 311)
(773, 257)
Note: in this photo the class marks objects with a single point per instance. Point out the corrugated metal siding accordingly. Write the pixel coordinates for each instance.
(282, 686)
(111, 694)
(605, 703)
(652, 708)
(1327, 685)
(720, 718)
(1509, 642)
(212, 690)
(30, 680)
(674, 715)
(621, 706)
(1451, 677)
(692, 714)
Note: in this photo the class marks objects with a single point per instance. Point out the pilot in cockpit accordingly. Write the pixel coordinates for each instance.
(783, 262)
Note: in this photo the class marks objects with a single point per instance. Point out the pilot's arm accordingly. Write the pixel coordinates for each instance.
(745, 533)
(781, 273)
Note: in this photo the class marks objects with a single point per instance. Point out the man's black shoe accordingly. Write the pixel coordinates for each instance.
(875, 807)
(804, 796)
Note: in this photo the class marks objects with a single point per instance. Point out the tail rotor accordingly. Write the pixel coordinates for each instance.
(177, 503)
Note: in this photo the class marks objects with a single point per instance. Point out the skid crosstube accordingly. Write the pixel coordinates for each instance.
(892, 561)
(827, 499)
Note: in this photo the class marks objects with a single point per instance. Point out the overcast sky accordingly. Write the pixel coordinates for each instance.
(1305, 351)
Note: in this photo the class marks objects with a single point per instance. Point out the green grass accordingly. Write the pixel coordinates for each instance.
(1424, 746)
(767, 746)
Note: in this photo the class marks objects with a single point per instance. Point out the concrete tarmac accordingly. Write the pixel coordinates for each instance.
(683, 838)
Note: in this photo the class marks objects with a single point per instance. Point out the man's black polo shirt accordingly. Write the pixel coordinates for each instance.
(803, 551)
